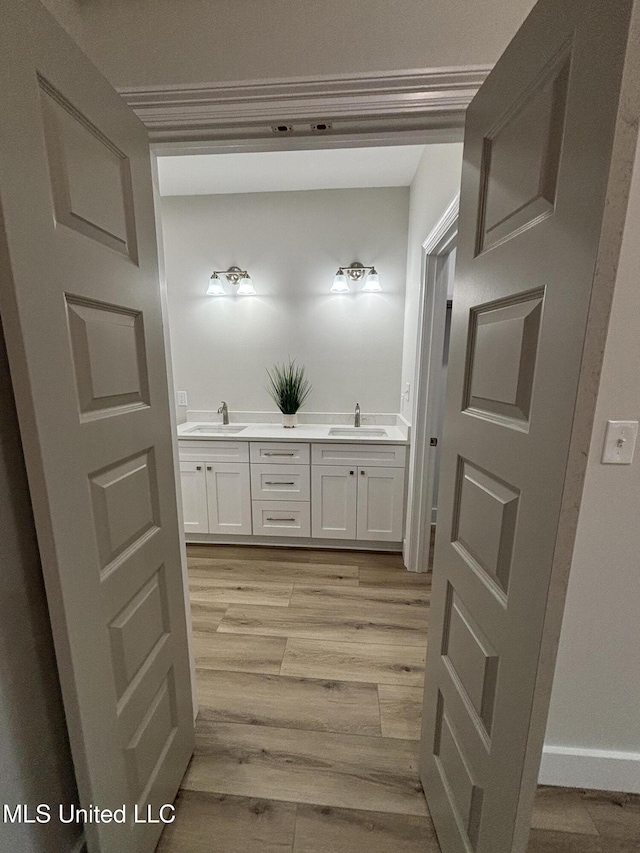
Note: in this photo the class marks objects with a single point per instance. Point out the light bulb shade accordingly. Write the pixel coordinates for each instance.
(372, 284)
(245, 287)
(215, 287)
(340, 283)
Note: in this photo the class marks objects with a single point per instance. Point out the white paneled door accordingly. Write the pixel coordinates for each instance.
(80, 303)
(549, 145)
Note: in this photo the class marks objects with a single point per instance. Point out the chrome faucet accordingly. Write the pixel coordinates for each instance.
(356, 419)
(224, 411)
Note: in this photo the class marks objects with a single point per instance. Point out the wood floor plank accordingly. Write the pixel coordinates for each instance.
(380, 664)
(237, 653)
(322, 829)
(349, 771)
(206, 617)
(269, 571)
(307, 623)
(400, 711)
(380, 576)
(546, 841)
(235, 591)
(285, 702)
(562, 810)
(218, 823)
(614, 815)
(328, 597)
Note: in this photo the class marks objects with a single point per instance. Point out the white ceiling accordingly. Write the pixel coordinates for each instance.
(278, 171)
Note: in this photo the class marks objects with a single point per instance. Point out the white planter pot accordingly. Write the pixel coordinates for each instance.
(289, 421)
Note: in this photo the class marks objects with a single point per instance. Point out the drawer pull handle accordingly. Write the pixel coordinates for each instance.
(279, 483)
(280, 519)
(198, 467)
(275, 453)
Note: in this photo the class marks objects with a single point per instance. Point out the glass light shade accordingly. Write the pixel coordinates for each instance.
(215, 287)
(372, 283)
(246, 288)
(340, 283)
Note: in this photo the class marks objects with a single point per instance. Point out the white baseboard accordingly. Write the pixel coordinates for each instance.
(603, 769)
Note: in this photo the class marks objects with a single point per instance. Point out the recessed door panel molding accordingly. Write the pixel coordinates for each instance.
(109, 358)
(503, 344)
(463, 794)
(137, 630)
(473, 659)
(548, 156)
(521, 157)
(151, 740)
(90, 176)
(125, 504)
(486, 511)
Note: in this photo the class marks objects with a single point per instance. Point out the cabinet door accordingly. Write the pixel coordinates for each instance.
(194, 497)
(333, 501)
(380, 504)
(229, 498)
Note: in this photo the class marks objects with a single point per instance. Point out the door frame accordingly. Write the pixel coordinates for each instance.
(427, 384)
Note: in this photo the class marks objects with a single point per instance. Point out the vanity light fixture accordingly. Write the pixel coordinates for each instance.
(356, 272)
(238, 278)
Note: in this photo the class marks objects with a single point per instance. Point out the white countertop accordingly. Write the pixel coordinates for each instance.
(302, 432)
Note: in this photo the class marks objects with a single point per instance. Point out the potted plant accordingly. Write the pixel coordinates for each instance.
(288, 388)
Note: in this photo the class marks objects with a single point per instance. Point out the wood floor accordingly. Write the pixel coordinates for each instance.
(310, 672)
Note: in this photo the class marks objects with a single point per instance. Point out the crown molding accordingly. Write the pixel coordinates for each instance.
(415, 100)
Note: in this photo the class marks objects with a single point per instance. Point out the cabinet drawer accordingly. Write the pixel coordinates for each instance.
(280, 453)
(213, 451)
(281, 518)
(280, 482)
(380, 455)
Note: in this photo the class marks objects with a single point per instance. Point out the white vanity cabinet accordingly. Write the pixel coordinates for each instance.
(216, 495)
(345, 492)
(356, 501)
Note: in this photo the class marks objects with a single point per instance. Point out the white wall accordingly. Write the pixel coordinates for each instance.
(159, 42)
(292, 244)
(595, 705)
(436, 183)
(35, 762)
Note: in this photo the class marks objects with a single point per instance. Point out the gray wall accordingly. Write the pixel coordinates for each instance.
(35, 762)
(292, 244)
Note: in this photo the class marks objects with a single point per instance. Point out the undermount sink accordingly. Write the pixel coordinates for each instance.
(214, 429)
(348, 432)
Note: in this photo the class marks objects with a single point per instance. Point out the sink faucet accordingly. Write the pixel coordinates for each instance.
(356, 419)
(224, 411)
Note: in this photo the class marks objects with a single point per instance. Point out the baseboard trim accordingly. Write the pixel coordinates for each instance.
(420, 99)
(294, 542)
(602, 769)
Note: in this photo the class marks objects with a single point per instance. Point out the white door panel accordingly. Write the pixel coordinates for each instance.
(334, 499)
(194, 497)
(380, 504)
(80, 303)
(229, 498)
(543, 198)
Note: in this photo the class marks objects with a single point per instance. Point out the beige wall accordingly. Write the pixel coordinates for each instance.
(595, 704)
(35, 763)
(292, 244)
(160, 42)
(434, 187)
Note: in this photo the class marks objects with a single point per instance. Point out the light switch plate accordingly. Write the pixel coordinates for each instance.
(181, 397)
(620, 442)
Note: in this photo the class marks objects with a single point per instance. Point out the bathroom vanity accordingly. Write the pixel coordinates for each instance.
(320, 485)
